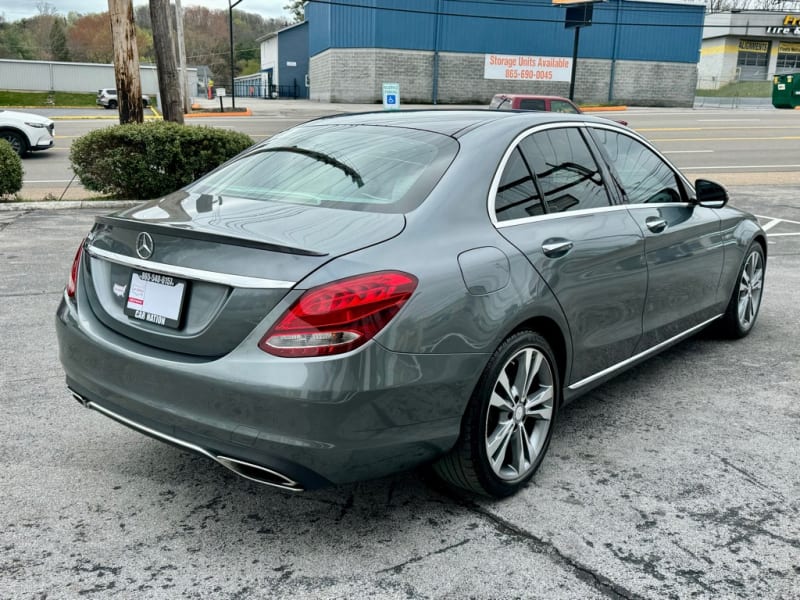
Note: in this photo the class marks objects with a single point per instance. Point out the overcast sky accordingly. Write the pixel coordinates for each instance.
(13, 10)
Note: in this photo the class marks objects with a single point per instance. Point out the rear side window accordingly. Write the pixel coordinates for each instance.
(643, 175)
(565, 169)
(356, 167)
(517, 197)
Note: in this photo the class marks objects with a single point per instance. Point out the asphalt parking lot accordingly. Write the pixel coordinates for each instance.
(678, 479)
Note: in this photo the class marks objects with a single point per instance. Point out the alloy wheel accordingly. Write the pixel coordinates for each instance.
(14, 140)
(750, 286)
(520, 414)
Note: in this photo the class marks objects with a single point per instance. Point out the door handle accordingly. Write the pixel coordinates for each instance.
(656, 224)
(556, 248)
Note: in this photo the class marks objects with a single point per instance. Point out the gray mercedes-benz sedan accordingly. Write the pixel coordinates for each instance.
(366, 293)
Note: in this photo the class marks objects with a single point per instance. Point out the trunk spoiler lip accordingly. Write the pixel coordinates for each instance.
(207, 236)
(239, 281)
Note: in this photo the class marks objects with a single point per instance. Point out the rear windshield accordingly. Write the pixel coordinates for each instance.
(355, 167)
(500, 102)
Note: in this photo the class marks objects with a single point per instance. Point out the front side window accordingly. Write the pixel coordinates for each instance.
(355, 167)
(560, 106)
(567, 173)
(645, 178)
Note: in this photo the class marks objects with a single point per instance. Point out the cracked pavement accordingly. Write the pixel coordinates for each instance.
(678, 479)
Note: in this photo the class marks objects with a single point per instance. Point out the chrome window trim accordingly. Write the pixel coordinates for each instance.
(502, 167)
(642, 205)
(654, 349)
(238, 281)
(561, 215)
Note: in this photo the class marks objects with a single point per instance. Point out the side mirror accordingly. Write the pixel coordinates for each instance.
(710, 194)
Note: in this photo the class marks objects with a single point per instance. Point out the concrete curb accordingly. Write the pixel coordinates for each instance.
(104, 118)
(243, 113)
(67, 204)
(603, 108)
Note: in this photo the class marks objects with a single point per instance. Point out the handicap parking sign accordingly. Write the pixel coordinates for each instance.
(391, 96)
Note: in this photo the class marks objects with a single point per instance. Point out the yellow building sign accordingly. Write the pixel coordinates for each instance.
(789, 48)
(754, 46)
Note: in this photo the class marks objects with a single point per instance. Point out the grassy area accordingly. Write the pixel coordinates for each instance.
(46, 99)
(741, 89)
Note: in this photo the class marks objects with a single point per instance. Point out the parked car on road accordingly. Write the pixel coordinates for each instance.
(107, 98)
(534, 102)
(26, 132)
(362, 294)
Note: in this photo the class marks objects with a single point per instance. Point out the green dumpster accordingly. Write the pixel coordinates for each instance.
(786, 90)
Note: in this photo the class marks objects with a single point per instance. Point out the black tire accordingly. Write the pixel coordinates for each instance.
(17, 141)
(112, 104)
(484, 460)
(742, 311)
(145, 103)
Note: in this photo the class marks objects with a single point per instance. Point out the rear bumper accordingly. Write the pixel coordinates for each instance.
(310, 422)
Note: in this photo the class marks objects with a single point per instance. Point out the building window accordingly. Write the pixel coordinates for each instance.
(753, 53)
(788, 56)
(753, 59)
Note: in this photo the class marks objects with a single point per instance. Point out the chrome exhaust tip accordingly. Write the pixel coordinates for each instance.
(259, 474)
(81, 400)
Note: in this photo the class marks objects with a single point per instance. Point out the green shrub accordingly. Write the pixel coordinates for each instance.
(151, 159)
(10, 170)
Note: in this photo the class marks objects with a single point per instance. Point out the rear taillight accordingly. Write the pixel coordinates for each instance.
(340, 316)
(72, 282)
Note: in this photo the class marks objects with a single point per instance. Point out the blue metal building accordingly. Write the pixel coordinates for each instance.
(634, 51)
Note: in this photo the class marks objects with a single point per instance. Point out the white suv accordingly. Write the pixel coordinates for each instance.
(107, 97)
(26, 132)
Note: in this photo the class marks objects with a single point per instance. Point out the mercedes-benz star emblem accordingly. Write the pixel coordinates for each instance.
(144, 245)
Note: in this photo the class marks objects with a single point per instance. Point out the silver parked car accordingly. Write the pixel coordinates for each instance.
(366, 293)
(107, 98)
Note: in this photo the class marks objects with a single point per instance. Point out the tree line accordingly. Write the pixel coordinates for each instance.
(78, 37)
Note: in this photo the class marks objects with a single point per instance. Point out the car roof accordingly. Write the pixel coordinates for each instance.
(453, 122)
(532, 97)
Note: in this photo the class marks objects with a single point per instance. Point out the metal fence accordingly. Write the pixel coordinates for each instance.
(47, 76)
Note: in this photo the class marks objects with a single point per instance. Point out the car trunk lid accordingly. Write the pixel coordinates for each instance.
(195, 275)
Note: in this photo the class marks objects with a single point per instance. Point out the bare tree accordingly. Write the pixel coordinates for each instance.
(296, 8)
(169, 85)
(126, 61)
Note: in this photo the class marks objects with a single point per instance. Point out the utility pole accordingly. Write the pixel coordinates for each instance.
(169, 85)
(185, 93)
(126, 61)
(231, 4)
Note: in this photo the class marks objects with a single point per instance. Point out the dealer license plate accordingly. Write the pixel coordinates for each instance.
(155, 298)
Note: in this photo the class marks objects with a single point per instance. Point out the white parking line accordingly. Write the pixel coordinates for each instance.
(772, 235)
(770, 225)
(784, 220)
